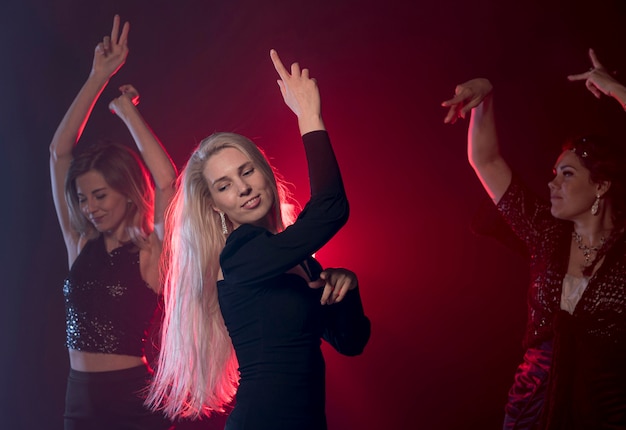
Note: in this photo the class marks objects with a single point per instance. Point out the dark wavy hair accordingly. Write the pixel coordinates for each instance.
(606, 161)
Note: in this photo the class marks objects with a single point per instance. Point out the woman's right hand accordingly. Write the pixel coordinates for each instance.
(467, 96)
(336, 282)
(111, 53)
(300, 93)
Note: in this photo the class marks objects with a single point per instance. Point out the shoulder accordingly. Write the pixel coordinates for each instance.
(520, 198)
(76, 245)
(242, 236)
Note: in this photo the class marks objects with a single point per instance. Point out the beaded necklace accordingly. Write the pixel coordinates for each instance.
(587, 250)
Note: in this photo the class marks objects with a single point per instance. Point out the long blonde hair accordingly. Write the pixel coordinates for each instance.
(196, 371)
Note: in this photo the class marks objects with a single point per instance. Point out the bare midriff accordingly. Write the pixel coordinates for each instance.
(98, 362)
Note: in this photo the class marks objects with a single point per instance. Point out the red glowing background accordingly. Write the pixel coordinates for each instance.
(447, 306)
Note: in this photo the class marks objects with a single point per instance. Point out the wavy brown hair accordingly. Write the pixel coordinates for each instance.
(124, 171)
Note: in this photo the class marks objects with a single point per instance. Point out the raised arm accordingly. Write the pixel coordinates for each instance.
(109, 56)
(154, 155)
(599, 81)
(483, 150)
(301, 94)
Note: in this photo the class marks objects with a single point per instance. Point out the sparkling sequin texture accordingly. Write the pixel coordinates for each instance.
(108, 306)
(601, 312)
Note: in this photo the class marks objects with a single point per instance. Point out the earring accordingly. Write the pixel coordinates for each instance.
(596, 205)
(224, 226)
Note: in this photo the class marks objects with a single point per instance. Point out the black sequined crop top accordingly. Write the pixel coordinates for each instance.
(108, 306)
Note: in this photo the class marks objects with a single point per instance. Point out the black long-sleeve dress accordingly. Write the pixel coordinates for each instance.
(275, 319)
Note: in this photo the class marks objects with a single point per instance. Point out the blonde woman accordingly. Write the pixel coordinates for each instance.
(239, 277)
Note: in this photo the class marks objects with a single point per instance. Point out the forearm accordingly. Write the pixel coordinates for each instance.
(308, 123)
(63, 141)
(152, 151)
(484, 150)
(324, 173)
(347, 328)
(482, 136)
(73, 123)
(618, 92)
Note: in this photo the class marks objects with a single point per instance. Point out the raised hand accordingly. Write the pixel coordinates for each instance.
(597, 79)
(300, 93)
(111, 53)
(129, 96)
(466, 97)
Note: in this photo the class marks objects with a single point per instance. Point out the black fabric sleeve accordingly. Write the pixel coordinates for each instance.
(324, 174)
(528, 215)
(488, 222)
(253, 254)
(347, 328)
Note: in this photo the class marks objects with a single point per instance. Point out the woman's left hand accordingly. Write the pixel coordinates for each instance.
(129, 96)
(336, 283)
(597, 79)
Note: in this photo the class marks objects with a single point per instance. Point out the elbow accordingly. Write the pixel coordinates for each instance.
(352, 352)
(344, 212)
(166, 188)
(335, 209)
(59, 154)
(487, 163)
(54, 152)
(343, 207)
(483, 159)
(355, 348)
(353, 342)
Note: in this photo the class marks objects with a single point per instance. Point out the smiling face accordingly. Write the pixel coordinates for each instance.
(238, 188)
(103, 206)
(572, 192)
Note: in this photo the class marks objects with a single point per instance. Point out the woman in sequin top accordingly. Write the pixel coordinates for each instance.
(111, 217)
(573, 375)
